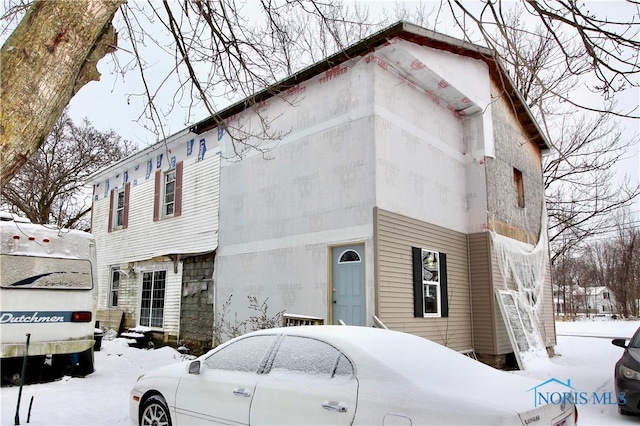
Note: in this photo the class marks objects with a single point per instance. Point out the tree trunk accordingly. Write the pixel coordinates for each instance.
(50, 55)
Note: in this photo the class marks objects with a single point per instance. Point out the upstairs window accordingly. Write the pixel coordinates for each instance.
(169, 192)
(430, 283)
(167, 200)
(119, 208)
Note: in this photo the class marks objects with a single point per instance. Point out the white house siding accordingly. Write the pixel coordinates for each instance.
(280, 215)
(195, 231)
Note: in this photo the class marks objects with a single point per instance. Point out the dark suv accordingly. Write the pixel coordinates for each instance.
(627, 375)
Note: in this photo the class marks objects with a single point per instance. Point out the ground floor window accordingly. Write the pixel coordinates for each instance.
(152, 305)
(430, 283)
(115, 287)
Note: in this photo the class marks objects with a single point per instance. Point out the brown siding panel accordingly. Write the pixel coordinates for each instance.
(482, 299)
(396, 234)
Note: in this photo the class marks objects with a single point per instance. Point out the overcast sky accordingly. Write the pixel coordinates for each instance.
(114, 102)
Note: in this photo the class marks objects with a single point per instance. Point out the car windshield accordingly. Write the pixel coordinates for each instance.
(635, 341)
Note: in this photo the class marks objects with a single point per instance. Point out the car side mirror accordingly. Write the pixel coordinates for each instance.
(619, 342)
(194, 367)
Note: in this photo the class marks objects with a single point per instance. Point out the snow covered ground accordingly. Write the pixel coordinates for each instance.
(103, 397)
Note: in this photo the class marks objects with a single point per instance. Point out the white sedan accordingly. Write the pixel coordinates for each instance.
(338, 375)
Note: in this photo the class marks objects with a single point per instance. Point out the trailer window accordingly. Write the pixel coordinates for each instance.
(44, 272)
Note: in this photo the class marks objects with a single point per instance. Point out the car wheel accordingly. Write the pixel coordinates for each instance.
(155, 412)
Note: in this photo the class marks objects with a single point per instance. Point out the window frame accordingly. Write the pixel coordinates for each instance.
(421, 283)
(160, 193)
(114, 290)
(144, 320)
(518, 181)
(166, 183)
(118, 210)
(347, 252)
(114, 207)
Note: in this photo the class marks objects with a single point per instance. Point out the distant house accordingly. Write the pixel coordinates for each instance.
(597, 301)
(407, 185)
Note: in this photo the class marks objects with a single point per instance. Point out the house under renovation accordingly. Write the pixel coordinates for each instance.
(404, 187)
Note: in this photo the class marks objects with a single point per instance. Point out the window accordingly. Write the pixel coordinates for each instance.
(169, 192)
(119, 208)
(430, 283)
(115, 287)
(248, 355)
(519, 184)
(349, 256)
(605, 295)
(30, 272)
(152, 305)
(167, 200)
(310, 356)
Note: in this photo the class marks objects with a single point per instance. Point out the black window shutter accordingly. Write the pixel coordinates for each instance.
(444, 303)
(418, 297)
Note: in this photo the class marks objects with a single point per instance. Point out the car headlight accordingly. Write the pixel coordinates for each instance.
(628, 373)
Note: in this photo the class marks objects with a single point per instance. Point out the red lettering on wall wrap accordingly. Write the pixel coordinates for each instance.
(380, 62)
(295, 90)
(417, 65)
(334, 72)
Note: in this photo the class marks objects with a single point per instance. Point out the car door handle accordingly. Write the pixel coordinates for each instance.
(334, 406)
(241, 392)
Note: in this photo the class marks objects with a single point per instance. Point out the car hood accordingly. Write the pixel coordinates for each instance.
(176, 370)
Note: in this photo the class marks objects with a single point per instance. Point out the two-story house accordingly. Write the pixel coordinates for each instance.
(406, 185)
(155, 219)
(595, 301)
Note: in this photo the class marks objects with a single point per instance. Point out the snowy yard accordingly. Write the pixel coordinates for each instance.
(102, 398)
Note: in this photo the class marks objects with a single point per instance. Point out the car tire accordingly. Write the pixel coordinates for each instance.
(155, 412)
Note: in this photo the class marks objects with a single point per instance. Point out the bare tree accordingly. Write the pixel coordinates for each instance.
(50, 55)
(49, 188)
(589, 44)
(626, 282)
(581, 188)
(613, 262)
(222, 49)
(228, 49)
(582, 193)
